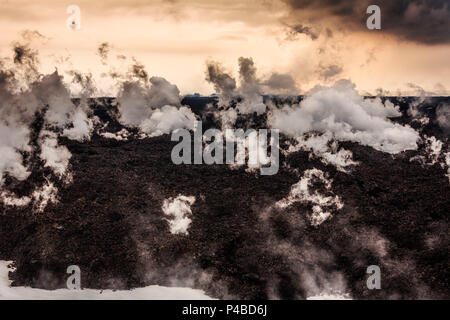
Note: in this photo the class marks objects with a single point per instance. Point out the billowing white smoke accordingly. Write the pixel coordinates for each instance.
(250, 88)
(166, 119)
(13, 138)
(61, 113)
(320, 146)
(22, 98)
(443, 117)
(82, 127)
(152, 104)
(18, 109)
(55, 156)
(251, 146)
(432, 150)
(348, 116)
(324, 285)
(133, 105)
(228, 118)
(162, 92)
(52, 92)
(322, 205)
(178, 211)
(314, 269)
(282, 84)
(156, 109)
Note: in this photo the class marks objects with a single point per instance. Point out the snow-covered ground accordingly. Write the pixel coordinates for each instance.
(146, 293)
(330, 297)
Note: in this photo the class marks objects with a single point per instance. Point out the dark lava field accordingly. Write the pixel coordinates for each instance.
(109, 220)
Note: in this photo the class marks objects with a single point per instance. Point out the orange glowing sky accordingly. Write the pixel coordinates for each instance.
(173, 39)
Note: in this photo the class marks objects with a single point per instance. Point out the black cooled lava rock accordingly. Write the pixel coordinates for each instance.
(109, 222)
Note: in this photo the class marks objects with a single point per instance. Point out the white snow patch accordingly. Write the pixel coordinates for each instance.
(153, 292)
(178, 209)
(327, 296)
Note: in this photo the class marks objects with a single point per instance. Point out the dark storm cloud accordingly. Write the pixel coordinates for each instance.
(137, 70)
(284, 83)
(224, 84)
(250, 85)
(301, 29)
(103, 50)
(247, 70)
(21, 52)
(328, 72)
(24, 56)
(425, 21)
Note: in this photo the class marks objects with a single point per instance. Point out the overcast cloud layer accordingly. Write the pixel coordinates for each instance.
(314, 42)
(426, 21)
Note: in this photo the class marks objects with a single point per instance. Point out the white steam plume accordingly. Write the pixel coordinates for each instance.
(322, 205)
(156, 109)
(82, 127)
(178, 211)
(348, 116)
(443, 117)
(55, 156)
(250, 88)
(13, 138)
